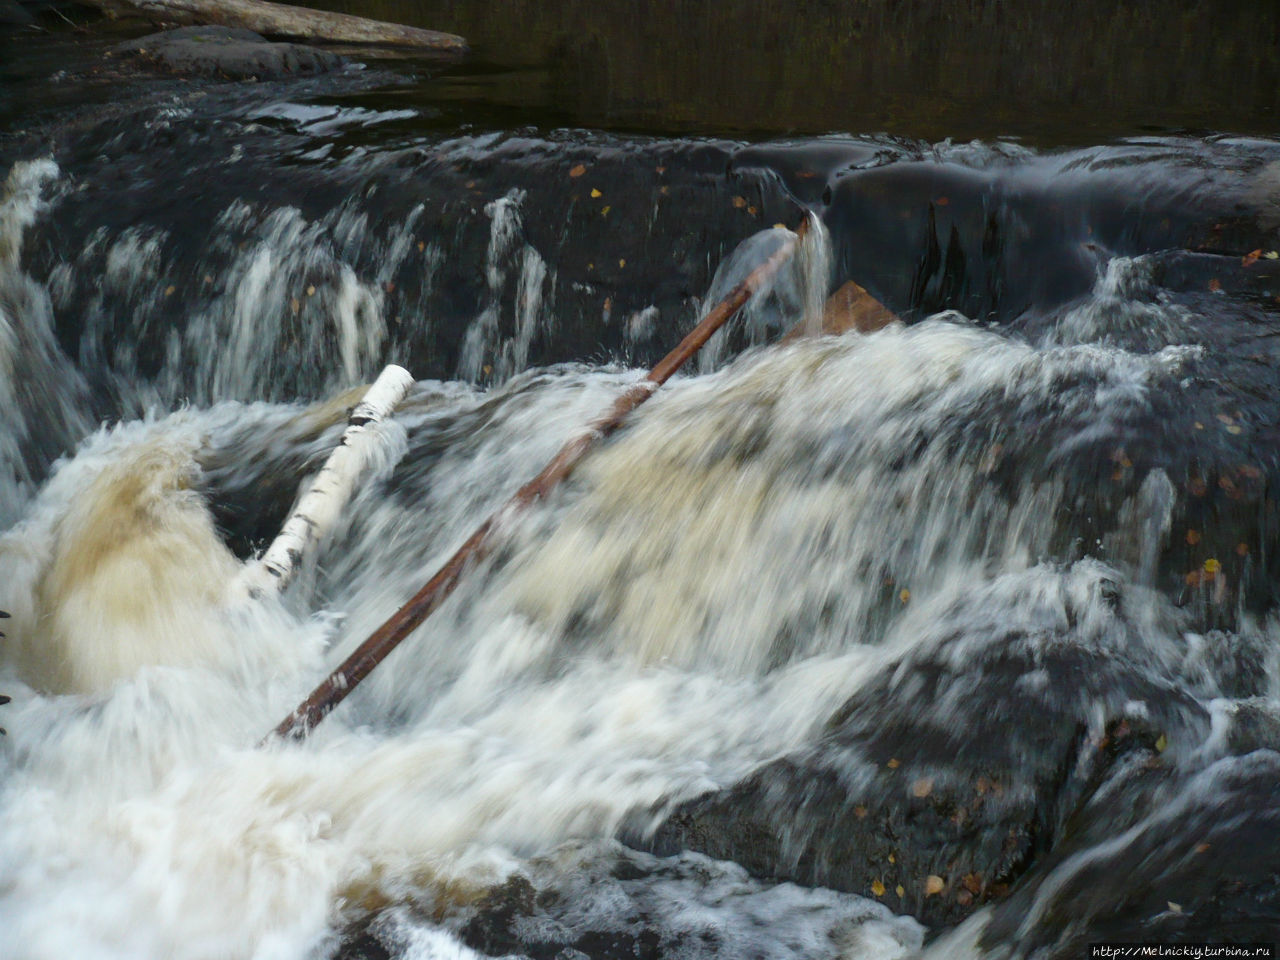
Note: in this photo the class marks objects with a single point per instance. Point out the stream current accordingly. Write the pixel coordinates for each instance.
(957, 639)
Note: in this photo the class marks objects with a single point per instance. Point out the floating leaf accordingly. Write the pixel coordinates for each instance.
(933, 884)
(1202, 848)
(1162, 743)
(1215, 285)
(595, 193)
(311, 291)
(1272, 255)
(578, 170)
(295, 305)
(905, 595)
(892, 858)
(168, 291)
(1212, 565)
(1174, 907)
(922, 787)
(973, 883)
(1193, 537)
(900, 891)
(1250, 258)
(739, 202)
(877, 888)
(893, 763)
(422, 245)
(604, 211)
(1242, 549)
(622, 262)
(860, 812)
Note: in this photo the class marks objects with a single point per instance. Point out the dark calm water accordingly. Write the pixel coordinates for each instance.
(958, 639)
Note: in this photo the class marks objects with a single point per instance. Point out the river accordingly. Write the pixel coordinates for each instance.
(953, 640)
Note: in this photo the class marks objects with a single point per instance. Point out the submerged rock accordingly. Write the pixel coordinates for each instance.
(13, 13)
(1202, 867)
(226, 52)
(945, 778)
(601, 901)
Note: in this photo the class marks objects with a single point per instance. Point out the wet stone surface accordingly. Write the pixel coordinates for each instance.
(1200, 868)
(225, 52)
(951, 774)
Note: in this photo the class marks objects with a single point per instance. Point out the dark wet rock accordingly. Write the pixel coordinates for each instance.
(362, 941)
(603, 901)
(14, 14)
(963, 761)
(1201, 867)
(226, 52)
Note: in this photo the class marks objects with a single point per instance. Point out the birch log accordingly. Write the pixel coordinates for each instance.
(318, 509)
(281, 20)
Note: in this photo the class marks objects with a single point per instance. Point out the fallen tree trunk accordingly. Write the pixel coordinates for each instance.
(317, 510)
(426, 601)
(280, 20)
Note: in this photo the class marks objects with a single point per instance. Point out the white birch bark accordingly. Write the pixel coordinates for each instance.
(319, 508)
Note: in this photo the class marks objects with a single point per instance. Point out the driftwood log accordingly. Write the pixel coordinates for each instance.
(280, 20)
(344, 678)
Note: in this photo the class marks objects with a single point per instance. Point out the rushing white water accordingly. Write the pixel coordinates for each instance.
(701, 598)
